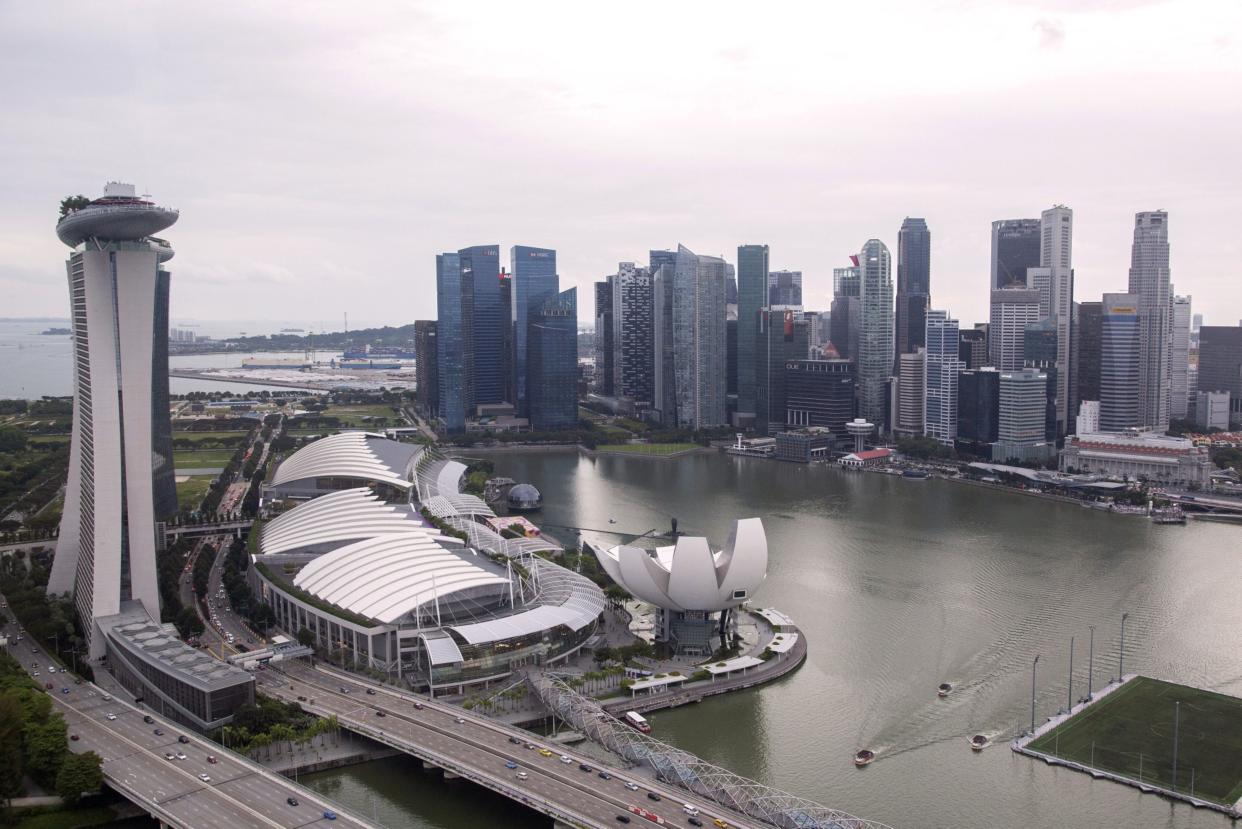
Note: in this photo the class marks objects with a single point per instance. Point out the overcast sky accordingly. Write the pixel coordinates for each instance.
(321, 154)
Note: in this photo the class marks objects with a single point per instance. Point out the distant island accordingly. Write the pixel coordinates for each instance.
(56, 332)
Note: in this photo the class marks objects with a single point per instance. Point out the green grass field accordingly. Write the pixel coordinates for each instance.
(1136, 721)
(352, 415)
(204, 459)
(233, 439)
(190, 492)
(647, 448)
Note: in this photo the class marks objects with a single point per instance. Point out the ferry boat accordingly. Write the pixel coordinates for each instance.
(864, 757)
(1172, 515)
(914, 474)
(944, 689)
(637, 721)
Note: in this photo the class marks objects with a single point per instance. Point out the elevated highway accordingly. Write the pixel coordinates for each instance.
(477, 748)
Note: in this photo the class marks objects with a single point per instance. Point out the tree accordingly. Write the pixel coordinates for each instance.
(46, 746)
(10, 737)
(79, 774)
(306, 637)
(72, 203)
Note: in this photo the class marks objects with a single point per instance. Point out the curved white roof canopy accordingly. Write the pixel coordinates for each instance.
(388, 577)
(689, 576)
(344, 516)
(362, 455)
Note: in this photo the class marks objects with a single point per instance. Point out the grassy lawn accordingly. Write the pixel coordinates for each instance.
(190, 492)
(203, 459)
(49, 439)
(233, 439)
(1137, 721)
(352, 415)
(647, 448)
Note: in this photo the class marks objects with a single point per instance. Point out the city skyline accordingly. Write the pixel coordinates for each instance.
(850, 185)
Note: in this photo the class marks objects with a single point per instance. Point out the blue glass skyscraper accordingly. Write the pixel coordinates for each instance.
(552, 352)
(534, 282)
(480, 267)
(453, 343)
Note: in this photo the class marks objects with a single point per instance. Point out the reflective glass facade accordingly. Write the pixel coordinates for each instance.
(534, 282)
(552, 341)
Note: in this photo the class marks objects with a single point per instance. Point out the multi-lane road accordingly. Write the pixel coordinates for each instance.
(236, 792)
(547, 777)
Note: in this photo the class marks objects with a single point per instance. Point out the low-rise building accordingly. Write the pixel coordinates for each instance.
(803, 445)
(1138, 455)
(866, 458)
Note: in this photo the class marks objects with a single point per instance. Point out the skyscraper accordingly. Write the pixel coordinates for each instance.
(1220, 364)
(1013, 309)
(845, 317)
(534, 282)
(908, 419)
(978, 409)
(426, 361)
(782, 337)
(454, 343)
(664, 376)
(785, 288)
(120, 460)
(1016, 246)
(1120, 363)
(940, 372)
(552, 351)
(1054, 279)
(1022, 416)
(913, 283)
(752, 282)
(700, 343)
(875, 342)
(604, 346)
(1149, 281)
(973, 347)
(819, 393)
(1179, 358)
(480, 267)
(632, 334)
(1087, 344)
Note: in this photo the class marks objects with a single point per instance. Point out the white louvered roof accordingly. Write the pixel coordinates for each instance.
(362, 455)
(347, 515)
(387, 577)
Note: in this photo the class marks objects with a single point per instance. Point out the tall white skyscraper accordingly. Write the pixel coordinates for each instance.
(875, 340)
(1012, 311)
(120, 459)
(1149, 281)
(940, 377)
(1180, 389)
(1054, 279)
(700, 347)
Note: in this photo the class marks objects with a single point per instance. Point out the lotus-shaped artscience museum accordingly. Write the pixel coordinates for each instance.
(689, 576)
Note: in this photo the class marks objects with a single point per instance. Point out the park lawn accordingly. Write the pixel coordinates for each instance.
(1136, 721)
(48, 439)
(191, 491)
(352, 415)
(202, 459)
(647, 448)
(234, 439)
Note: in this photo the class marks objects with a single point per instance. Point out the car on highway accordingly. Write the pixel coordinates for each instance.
(623, 818)
(343, 689)
(329, 814)
(206, 778)
(371, 692)
(379, 713)
(65, 690)
(168, 755)
(521, 775)
(631, 786)
(459, 720)
(418, 706)
(51, 669)
(211, 758)
(652, 796)
(544, 752)
(148, 719)
(720, 824)
(292, 801)
(73, 737)
(584, 767)
(158, 732)
(566, 759)
(183, 739)
(694, 821)
(180, 755)
(107, 698)
(515, 741)
(603, 775)
(509, 764)
(111, 717)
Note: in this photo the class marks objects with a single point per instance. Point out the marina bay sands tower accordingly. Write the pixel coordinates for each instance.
(120, 460)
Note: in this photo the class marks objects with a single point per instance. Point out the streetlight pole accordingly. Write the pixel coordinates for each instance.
(1033, 664)
(1121, 662)
(1069, 691)
(1177, 710)
(1091, 664)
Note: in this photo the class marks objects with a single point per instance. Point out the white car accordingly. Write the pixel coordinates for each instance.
(168, 755)
(205, 778)
(631, 786)
(51, 669)
(107, 697)
(112, 716)
(180, 755)
(565, 758)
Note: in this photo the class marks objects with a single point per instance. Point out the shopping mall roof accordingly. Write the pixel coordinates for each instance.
(361, 455)
(388, 577)
(136, 634)
(344, 516)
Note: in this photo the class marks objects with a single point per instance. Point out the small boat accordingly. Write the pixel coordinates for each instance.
(979, 742)
(914, 474)
(864, 757)
(612, 520)
(944, 689)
